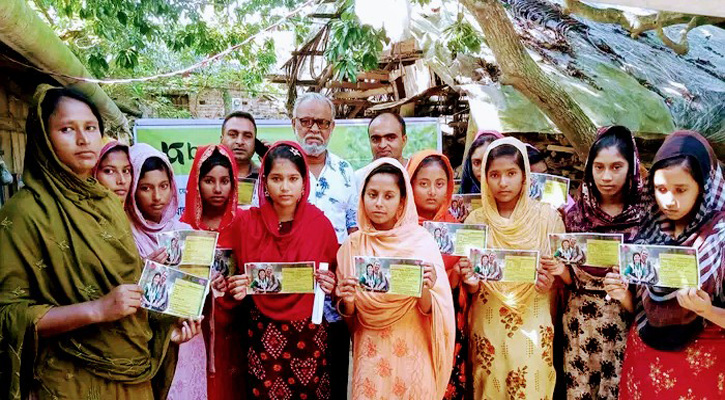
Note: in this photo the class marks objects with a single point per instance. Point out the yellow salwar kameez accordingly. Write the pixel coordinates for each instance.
(512, 334)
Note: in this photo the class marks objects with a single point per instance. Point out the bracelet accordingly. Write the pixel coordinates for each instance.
(339, 311)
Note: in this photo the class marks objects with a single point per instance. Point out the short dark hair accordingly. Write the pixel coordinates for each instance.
(535, 156)
(215, 159)
(154, 164)
(240, 114)
(506, 150)
(387, 168)
(397, 116)
(53, 97)
(284, 151)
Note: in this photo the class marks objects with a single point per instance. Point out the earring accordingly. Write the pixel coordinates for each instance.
(266, 192)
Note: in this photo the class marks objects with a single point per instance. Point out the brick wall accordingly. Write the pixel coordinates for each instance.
(210, 104)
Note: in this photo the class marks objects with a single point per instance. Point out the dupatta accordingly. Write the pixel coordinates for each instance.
(144, 232)
(65, 240)
(528, 228)
(587, 215)
(661, 322)
(469, 183)
(405, 240)
(258, 239)
(444, 213)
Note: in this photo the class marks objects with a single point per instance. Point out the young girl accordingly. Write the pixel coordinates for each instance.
(286, 354)
(403, 346)
(471, 176)
(151, 207)
(114, 169)
(211, 205)
(70, 319)
(432, 182)
(595, 329)
(511, 328)
(676, 345)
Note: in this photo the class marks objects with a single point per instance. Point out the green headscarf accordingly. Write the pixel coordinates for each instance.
(65, 240)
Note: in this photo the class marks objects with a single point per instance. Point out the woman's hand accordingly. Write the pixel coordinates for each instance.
(219, 283)
(556, 267)
(544, 280)
(326, 280)
(695, 300)
(616, 285)
(346, 289)
(186, 329)
(470, 279)
(122, 301)
(429, 275)
(160, 256)
(237, 286)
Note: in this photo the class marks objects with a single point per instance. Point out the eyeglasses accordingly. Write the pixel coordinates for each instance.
(308, 122)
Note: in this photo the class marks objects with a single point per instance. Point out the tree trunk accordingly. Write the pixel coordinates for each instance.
(521, 71)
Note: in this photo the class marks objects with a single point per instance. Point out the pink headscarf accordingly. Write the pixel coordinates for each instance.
(144, 232)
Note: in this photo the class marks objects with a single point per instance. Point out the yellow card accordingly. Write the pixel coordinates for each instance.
(406, 280)
(678, 270)
(196, 270)
(466, 238)
(199, 250)
(187, 299)
(245, 192)
(519, 269)
(298, 279)
(554, 193)
(602, 253)
(476, 203)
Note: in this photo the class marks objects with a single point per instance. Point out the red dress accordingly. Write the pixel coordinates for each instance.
(222, 334)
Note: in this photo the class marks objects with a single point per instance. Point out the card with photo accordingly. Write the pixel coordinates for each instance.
(664, 266)
(189, 247)
(504, 265)
(455, 239)
(587, 249)
(402, 276)
(463, 204)
(550, 189)
(224, 263)
(281, 278)
(171, 291)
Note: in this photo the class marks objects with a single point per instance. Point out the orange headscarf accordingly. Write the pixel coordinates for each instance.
(405, 240)
(443, 214)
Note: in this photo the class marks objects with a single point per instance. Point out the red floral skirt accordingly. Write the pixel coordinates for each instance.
(286, 359)
(697, 372)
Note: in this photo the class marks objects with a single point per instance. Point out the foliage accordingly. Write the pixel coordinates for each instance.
(462, 37)
(353, 47)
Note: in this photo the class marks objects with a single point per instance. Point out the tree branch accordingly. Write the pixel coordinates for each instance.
(44, 11)
(521, 72)
(637, 25)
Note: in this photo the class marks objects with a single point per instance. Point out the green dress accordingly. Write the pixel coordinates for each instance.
(64, 241)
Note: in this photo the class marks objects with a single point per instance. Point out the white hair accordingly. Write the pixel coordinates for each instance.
(309, 96)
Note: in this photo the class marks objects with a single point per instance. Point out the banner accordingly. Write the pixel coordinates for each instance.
(179, 139)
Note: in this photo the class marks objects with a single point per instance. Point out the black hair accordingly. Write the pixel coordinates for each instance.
(535, 156)
(636, 254)
(400, 119)
(215, 159)
(386, 168)
(240, 114)
(690, 165)
(154, 164)
(620, 138)
(432, 159)
(285, 152)
(53, 97)
(116, 149)
(506, 150)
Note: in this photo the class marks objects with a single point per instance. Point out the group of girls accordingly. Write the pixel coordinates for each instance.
(73, 250)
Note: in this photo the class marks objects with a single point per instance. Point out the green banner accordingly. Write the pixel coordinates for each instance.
(179, 138)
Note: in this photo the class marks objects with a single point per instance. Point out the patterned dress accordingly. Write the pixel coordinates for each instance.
(512, 353)
(594, 341)
(286, 358)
